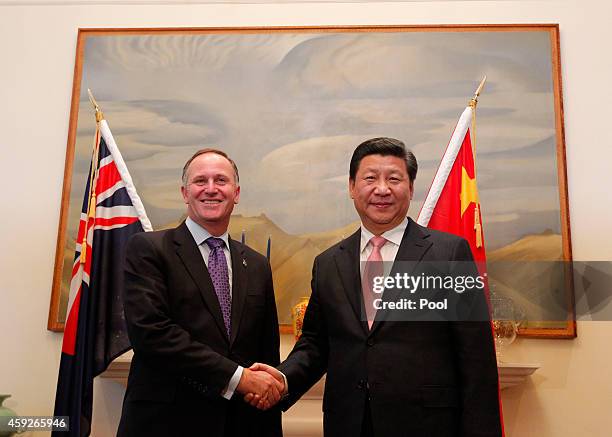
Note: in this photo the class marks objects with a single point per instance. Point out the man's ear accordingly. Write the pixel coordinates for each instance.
(411, 189)
(184, 194)
(237, 195)
(351, 187)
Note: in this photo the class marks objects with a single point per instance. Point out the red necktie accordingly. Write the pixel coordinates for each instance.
(374, 267)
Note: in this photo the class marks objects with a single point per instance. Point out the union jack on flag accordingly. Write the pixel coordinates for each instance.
(95, 332)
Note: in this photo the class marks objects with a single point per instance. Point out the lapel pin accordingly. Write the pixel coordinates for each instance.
(244, 262)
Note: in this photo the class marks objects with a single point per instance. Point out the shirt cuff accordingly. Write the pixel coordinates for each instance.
(229, 390)
(285, 392)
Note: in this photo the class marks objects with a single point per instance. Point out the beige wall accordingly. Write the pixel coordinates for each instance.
(571, 395)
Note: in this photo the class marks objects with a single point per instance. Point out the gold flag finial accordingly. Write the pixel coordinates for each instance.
(474, 100)
(472, 104)
(99, 114)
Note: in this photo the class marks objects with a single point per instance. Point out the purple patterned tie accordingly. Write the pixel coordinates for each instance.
(217, 267)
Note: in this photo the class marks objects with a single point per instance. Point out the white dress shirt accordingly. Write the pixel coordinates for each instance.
(388, 251)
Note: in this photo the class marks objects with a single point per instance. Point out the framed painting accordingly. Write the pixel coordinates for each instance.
(290, 105)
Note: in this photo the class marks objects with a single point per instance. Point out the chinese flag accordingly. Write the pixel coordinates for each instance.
(452, 204)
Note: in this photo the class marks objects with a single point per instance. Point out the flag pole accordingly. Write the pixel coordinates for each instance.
(99, 114)
(93, 175)
(473, 103)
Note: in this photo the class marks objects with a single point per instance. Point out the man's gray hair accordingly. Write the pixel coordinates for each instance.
(209, 150)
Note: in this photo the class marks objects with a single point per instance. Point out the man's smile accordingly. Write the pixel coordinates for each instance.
(381, 205)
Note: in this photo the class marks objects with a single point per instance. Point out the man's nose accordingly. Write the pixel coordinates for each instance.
(210, 186)
(382, 187)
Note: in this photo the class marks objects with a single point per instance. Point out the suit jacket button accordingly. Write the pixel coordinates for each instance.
(370, 342)
(360, 384)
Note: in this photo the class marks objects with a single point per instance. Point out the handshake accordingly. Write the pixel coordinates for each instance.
(262, 386)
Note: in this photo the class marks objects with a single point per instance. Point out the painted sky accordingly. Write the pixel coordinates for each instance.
(290, 109)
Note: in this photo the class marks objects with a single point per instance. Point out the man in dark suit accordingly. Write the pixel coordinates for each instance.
(390, 378)
(200, 310)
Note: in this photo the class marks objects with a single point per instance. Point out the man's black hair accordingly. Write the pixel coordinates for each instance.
(386, 147)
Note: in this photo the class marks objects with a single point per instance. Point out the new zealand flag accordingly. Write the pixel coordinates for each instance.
(95, 332)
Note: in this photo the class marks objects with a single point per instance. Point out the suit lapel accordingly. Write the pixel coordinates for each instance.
(413, 247)
(239, 285)
(347, 262)
(190, 255)
(415, 243)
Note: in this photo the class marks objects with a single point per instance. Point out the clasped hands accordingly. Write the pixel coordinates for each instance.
(262, 386)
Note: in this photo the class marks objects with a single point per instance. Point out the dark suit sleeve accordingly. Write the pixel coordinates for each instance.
(477, 367)
(157, 338)
(270, 347)
(307, 362)
(271, 337)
